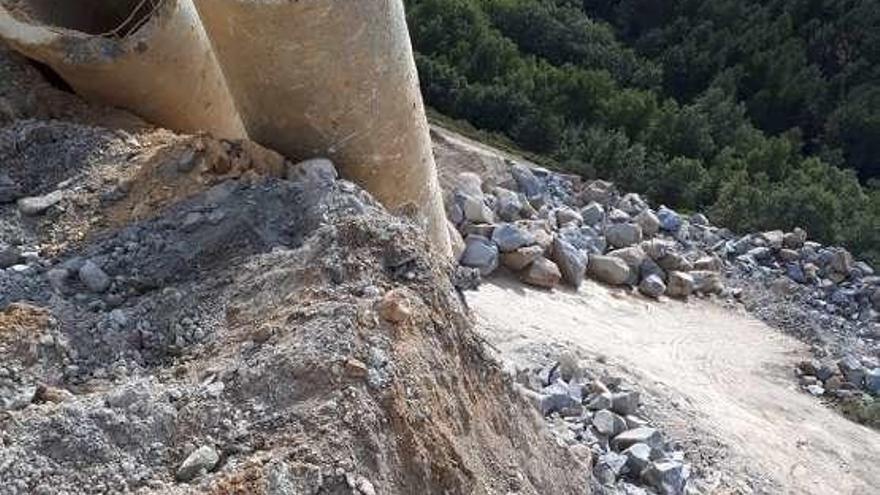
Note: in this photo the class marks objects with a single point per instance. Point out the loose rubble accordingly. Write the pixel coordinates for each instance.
(195, 315)
(600, 416)
(589, 229)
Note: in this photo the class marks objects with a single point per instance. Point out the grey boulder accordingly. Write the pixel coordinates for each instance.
(37, 205)
(622, 235)
(509, 237)
(93, 277)
(571, 261)
(667, 477)
(608, 269)
(593, 214)
(679, 285)
(652, 286)
(649, 223)
(480, 253)
(541, 273)
(202, 460)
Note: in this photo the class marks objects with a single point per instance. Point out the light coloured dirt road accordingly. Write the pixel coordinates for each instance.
(733, 370)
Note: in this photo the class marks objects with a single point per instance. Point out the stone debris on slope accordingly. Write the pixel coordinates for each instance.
(588, 229)
(587, 414)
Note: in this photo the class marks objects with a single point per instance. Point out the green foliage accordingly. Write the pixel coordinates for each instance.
(813, 65)
(672, 116)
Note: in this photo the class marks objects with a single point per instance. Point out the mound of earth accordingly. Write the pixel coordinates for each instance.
(178, 317)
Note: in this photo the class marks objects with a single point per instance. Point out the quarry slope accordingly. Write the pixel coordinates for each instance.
(717, 375)
(182, 314)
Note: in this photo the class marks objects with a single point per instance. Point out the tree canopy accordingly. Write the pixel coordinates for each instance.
(765, 114)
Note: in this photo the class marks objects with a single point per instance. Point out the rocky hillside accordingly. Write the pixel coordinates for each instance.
(180, 314)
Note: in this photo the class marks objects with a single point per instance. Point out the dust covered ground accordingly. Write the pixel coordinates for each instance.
(176, 316)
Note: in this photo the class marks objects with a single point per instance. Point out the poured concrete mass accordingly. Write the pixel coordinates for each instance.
(151, 57)
(336, 79)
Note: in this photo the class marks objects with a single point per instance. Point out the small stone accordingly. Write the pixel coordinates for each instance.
(872, 381)
(608, 269)
(316, 171)
(9, 190)
(395, 306)
(600, 191)
(625, 402)
(670, 221)
(9, 256)
(607, 423)
(622, 235)
(475, 210)
(699, 219)
(707, 282)
(649, 436)
(633, 257)
(815, 390)
(37, 205)
(649, 223)
(470, 183)
(852, 370)
(509, 206)
(638, 457)
(480, 253)
(565, 216)
(633, 421)
(773, 238)
(667, 477)
(600, 402)
(572, 262)
(593, 214)
(652, 286)
(679, 284)
(455, 240)
(202, 460)
(57, 278)
(709, 263)
(556, 397)
(93, 277)
(608, 467)
(542, 273)
(356, 368)
(522, 257)
(509, 237)
(795, 239)
(526, 181)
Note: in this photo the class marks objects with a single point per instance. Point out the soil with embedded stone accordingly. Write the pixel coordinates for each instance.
(178, 317)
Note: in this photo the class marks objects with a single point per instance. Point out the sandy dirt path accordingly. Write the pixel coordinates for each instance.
(733, 370)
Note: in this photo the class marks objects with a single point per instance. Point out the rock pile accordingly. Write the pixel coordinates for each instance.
(551, 228)
(599, 418)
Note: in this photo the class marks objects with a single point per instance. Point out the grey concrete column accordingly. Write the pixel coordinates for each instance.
(333, 78)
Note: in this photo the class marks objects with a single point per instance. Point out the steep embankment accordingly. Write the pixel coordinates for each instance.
(180, 314)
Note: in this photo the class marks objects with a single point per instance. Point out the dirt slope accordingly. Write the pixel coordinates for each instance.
(731, 371)
(181, 319)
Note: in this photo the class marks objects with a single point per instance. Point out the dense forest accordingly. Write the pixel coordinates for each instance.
(765, 114)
